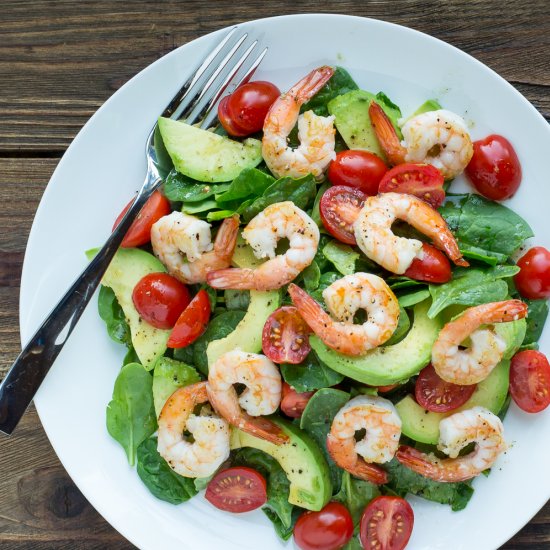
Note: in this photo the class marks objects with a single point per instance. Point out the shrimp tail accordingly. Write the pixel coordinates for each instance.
(506, 311)
(263, 428)
(311, 84)
(370, 472)
(233, 278)
(386, 134)
(444, 240)
(312, 312)
(226, 239)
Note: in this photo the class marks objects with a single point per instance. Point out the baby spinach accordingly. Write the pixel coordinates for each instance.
(342, 256)
(283, 532)
(355, 494)
(325, 280)
(196, 208)
(471, 287)
(485, 230)
(310, 375)
(315, 213)
(412, 298)
(111, 312)
(251, 182)
(159, 478)
(180, 188)
(311, 276)
(130, 414)
(317, 419)
(536, 318)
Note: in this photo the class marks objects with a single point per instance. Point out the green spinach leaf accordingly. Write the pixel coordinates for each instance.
(315, 213)
(325, 281)
(111, 312)
(310, 375)
(536, 318)
(251, 182)
(355, 494)
(342, 256)
(311, 276)
(180, 188)
(412, 298)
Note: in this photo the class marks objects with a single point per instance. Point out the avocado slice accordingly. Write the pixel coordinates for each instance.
(422, 425)
(205, 156)
(128, 266)
(300, 458)
(387, 364)
(513, 334)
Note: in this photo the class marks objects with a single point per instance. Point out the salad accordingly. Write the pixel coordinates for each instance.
(316, 325)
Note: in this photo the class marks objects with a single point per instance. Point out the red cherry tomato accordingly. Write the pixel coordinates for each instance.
(243, 112)
(237, 490)
(386, 524)
(433, 267)
(285, 338)
(436, 395)
(329, 529)
(386, 389)
(192, 322)
(421, 180)
(339, 208)
(494, 170)
(139, 233)
(294, 403)
(530, 381)
(159, 299)
(533, 281)
(359, 169)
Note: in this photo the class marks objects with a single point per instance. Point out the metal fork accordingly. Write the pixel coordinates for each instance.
(227, 66)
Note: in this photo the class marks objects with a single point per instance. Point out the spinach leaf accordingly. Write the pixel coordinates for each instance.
(325, 281)
(355, 494)
(340, 83)
(180, 188)
(342, 256)
(315, 213)
(415, 297)
(353, 544)
(397, 282)
(131, 357)
(485, 230)
(403, 326)
(111, 312)
(251, 182)
(130, 414)
(470, 287)
(404, 481)
(310, 375)
(194, 208)
(283, 532)
(317, 419)
(311, 276)
(201, 483)
(391, 109)
(536, 317)
(237, 299)
(159, 478)
(217, 215)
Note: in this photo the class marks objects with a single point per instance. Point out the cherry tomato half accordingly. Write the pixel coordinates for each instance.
(386, 524)
(243, 112)
(433, 266)
(530, 381)
(494, 170)
(421, 180)
(159, 299)
(285, 338)
(436, 395)
(533, 281)
(359, 169)
(237, 490)
(192, 322)
(329, 529)
(339, 208)
(294, 403)
(139, 233)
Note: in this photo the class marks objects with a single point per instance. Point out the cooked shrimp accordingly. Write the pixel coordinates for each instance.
(439, 138)
(378, 417)
(183, 244)
(278, 221)
(261, 396)
(343, 298)
(210, 446)
(315, 133)
(476, 425)
(373, 231)
(472, 365)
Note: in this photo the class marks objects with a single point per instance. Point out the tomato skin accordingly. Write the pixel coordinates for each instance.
(495, 170)
(533, 281)
(192, 322)
(530, 381)
(285, 337)
(329, 529)
(359, 169)
(339, 207)
(159, 299)
(421, 180)
(237, 490)
(433, 267)
(386, 389)
(139, 233)
(436, 395)
(379, 523)
(243, 112)
(294, 403)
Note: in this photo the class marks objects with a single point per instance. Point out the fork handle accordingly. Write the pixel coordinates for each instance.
(33, 363)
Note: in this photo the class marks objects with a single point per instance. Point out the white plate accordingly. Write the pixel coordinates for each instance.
(105, 165)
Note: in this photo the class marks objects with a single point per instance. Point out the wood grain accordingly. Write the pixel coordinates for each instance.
(59, 61)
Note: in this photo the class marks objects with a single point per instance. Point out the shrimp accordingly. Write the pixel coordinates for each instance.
(183, 244)
(210, 446)
(378, 417)
(343, 298)
(476, 425)
(373, 231)
(316, 133)
(277, 221)
(439, 138)
(472, 365)
(261, 396)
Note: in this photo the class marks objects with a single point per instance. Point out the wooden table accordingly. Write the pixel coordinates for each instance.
(59, 61)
